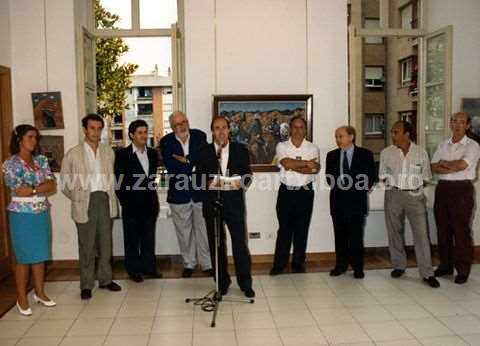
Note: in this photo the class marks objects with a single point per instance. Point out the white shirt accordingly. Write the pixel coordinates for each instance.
(185, 146)
(306, 151)
(96, 178)
(223, 157)
(406, 172)
(142, 157)
(467, 150)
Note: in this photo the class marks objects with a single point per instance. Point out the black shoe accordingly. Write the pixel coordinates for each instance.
(112, 286)
(249, 292)
(224, 290)
(432, 282)
(396, 273)
(337, 271)
(208, 272)
(276, 271)
(298, 268)
(442, 272)
(461, 279)
(359, 274)
(187, 272)
(136, 277)
(86, 294)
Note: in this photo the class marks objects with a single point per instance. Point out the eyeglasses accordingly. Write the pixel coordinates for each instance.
(184, 122)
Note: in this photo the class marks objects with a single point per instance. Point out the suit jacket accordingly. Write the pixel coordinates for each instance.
(136, 192)
(169, 146)
(238, 164)
(351, 201)
(74, 180)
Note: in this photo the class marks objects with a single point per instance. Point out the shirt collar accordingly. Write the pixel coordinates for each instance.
(224, 148)
(463, 141)
(293, 145)
(137, 150)
(188, 138)
(349, 150)
(88, 147)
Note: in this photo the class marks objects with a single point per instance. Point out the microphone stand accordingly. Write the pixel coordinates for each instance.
(211, 301)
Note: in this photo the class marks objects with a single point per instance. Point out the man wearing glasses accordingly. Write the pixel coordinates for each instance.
(179, 151)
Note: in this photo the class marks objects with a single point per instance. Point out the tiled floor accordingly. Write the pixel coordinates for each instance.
(296, 309)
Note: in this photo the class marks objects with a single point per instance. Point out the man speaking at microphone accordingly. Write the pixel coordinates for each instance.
(227, 162)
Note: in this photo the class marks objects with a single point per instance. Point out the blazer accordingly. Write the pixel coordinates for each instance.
(238, 164)
(136, 192)
(169, 146)
(351, 201)
(74, 182)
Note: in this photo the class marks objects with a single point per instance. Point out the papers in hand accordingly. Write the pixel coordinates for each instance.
(223, 183)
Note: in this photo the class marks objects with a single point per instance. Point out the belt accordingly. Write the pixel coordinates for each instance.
(407, 190)
(33, 199)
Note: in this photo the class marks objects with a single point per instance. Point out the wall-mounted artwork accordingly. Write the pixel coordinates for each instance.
(261, 121)
(471, 106)
(47, 110)
(52, 148)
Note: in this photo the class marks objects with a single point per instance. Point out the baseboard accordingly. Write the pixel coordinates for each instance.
(264, 259)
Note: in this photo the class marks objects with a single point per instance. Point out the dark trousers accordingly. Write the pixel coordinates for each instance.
(294, 212)
(233, 215)
(348, 230)
(139, 242)
(454, 202)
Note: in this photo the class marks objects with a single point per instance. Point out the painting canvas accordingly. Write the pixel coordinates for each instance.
(47, 110)
(52, 148)
(262, 121)
(471, 106)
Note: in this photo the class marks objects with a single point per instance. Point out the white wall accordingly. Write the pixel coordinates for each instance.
(43, 59)
(464, 17)
(5, 44)
(248, 46)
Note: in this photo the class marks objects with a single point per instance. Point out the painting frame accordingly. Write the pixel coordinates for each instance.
(48, 110)
(52, 146)
(264, 109)
(471, 106)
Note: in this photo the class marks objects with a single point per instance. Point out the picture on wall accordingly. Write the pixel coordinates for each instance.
(471, 106)
(47, 110)
(52, 148)
(262, 121)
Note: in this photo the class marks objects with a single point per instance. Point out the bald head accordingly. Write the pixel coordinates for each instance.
(179, 123)
(459, 124)
(345, 136)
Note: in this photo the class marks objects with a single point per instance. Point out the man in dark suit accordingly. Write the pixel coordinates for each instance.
(180, 151)
(227, 159)
(350, 172)
(135, 170)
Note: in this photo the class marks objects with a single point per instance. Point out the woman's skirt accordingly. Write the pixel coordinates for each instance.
(30, 235)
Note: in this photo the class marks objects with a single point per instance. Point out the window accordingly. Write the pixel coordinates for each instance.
(145, 109)
(374, 125)
(122, 8)
(155, 14)
(409, 15)
(374, 77)
(406, 14)
(406, 67)
(373, 23)
(145, 92)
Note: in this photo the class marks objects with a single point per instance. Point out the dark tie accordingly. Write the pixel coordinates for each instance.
(346, 169)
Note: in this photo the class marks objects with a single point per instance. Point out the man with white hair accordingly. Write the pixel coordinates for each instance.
(180, 151)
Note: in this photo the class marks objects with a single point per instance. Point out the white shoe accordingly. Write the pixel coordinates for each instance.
(47, 303)
(24, 312)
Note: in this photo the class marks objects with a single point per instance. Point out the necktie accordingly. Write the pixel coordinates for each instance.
(346, 169)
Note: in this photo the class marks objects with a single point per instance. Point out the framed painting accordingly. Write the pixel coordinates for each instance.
(47, 110)
(471, 106)
(262, 121)
(52, 148)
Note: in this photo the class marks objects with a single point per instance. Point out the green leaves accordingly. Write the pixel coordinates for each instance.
(113, 78)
